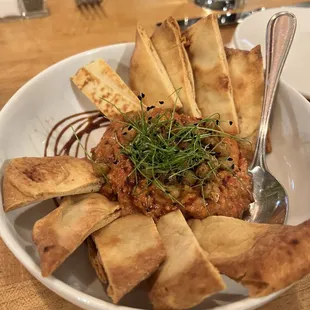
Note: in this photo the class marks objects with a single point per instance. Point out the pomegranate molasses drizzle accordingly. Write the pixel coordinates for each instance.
(83, 123)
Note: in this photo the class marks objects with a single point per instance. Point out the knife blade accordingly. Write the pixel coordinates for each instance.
(228, 18)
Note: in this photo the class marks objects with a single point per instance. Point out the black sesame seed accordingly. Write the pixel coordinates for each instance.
(233, 166)
(230, 123)
(129, 127)
(125, 133)
(142, 95)
(217, 122)
(161, 102)
(167, 192)
(139, 97)
(229, 158)
(150, 118)
(150, 108)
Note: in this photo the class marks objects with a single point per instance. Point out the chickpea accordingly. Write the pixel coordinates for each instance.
(174, 191)
(189, 178)
(101, 169)
(223, 149)
(213, 161)
(211, 140)
(203, 170)
(187, 188)
(212, 191)
(226, 163)
(131, 134)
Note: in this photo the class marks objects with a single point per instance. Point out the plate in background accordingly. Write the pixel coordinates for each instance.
(297, 68)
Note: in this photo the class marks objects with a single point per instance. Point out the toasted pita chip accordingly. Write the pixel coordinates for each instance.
(31, 179)
(130, 250)
(186, 277)
(170, 48)
(105, 89)
(247, 78)
(212, 82)
(63, 230)
(263, 257)
(95, 261)
(148, 75)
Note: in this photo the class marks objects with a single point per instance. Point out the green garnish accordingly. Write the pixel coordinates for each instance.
(164, 151)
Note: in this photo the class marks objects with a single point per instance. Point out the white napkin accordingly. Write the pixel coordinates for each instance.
(9, 8)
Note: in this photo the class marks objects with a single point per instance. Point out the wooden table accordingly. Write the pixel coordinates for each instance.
(30, 46)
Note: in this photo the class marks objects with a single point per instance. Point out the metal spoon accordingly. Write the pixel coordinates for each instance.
(271, 200)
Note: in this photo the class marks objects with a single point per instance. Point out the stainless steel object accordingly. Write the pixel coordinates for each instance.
(224, 19)
(33, 8)
(227, 17)
(271, 201)
(28, 9)
(221, 5)
(87, 2)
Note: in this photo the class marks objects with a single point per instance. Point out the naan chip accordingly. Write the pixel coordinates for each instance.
(213, 87)
(170, 48)
(32, 179)
(63, 230)
(149, 76)
(264, 258)
(130, 250)
(186, 277)
(106, 89)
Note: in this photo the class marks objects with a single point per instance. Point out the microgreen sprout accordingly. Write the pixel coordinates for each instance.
(165, 148)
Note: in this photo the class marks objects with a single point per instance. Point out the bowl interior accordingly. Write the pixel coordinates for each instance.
(49, 97)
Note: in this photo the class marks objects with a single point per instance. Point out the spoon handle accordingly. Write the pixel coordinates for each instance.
(279, 36)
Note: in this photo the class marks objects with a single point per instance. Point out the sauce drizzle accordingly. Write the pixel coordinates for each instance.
(84, 123)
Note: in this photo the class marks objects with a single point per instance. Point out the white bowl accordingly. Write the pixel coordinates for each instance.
(38, 105)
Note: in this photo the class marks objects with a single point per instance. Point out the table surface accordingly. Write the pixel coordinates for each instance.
(30, 46)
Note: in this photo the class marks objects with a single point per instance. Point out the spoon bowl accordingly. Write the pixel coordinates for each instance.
(270, 199)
